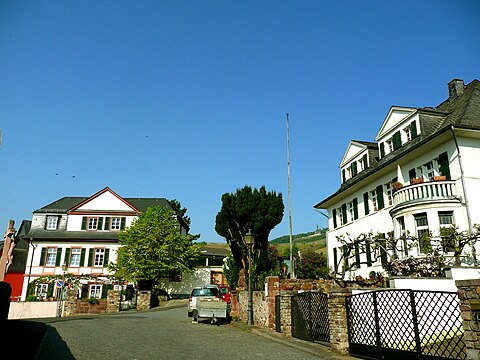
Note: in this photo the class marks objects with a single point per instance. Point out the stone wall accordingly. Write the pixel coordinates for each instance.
(84, 307)
(469, 295)
(70, 303)
(113, 301)
(337, 319)
(144, 300)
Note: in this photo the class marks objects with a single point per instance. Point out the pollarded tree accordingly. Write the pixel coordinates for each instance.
(153, 248)
(254, 210)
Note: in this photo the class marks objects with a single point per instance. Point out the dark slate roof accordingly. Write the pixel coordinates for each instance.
(366, 143)
(66, 203)
(42, 234)
(461, 112)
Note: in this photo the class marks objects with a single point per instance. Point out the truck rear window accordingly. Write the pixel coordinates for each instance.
(205, 292)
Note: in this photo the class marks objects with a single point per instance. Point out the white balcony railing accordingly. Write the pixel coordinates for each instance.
(433, 190)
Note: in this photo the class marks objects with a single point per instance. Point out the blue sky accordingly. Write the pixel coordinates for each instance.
(187, 99)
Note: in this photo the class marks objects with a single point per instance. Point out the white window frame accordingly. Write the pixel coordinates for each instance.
(389, 192)
(373, 198)
(115, 223)
(75, 256)
(95, 291)
(420, 229)
(350, 211)
(99, 257)
(389, 143)
(92, 223)
(51, 256)
(52, 223)
(429, 170)
(408, 132)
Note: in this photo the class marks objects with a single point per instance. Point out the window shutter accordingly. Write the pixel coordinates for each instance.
(397, 140)
(122, 226)
(90, 257)
(100, 223)
(379, 192)
(84, 223)
(354, 168)
(383, 251)
(335, 260)
(365, 203)
(357, 255)
(334, 216)
(412, 174)
(344, 213)
(84, 293)
(107, 223)
(382, 150)
(343, 175)
(58, 257)
(107, 257)
(443, 165)
(67, 256)
(104, 291)
(368, 252)
(413, 129)
(355, 209)
(42, 256)
(82, 258)
(365, 161)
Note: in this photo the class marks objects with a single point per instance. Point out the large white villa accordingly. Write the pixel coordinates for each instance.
(421, 173)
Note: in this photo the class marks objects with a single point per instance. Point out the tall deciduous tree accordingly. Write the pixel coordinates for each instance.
(254, 210)
(152, 248)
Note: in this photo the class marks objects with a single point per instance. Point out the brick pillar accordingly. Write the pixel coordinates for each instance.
(5, 293)
(273, 288)
(143, 300)
(70, 303)
(337, 319)
(469, 295)
(113, 301)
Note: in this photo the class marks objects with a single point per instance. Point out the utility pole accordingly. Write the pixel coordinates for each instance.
(292, 269)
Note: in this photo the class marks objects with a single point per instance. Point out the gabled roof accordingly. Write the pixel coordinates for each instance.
(461, 112)
(354, 148)
(114, 201)
(395, 115)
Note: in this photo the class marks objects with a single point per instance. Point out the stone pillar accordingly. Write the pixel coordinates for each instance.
(273, 289)
(113, 301)
(70, 303)
(286, 312)
(234, 305)
(143, 300)
(337, 319)
(469, 295)
(5, 293)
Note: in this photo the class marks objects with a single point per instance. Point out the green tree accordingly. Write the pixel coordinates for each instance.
(254, 210)
(313, 265)
(179, 210)
(152, 248)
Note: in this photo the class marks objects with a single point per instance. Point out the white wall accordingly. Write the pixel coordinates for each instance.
(32, 309)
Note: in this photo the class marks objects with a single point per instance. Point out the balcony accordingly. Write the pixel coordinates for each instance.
(425, 192)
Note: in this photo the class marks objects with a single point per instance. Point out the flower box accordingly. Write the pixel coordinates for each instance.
(439, 178)
(416, 180)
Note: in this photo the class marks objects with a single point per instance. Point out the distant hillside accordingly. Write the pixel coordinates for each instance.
(317, 235)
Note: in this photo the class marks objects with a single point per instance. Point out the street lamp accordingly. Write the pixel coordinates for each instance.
(249, 240)
(60, 300)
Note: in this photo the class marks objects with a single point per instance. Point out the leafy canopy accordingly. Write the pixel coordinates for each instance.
(152, 248)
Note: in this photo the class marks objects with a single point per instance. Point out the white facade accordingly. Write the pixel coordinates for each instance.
(380, 193)
(81, 235)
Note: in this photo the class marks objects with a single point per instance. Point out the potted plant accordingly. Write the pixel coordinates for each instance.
(439, 178)
(396, 185)
(418, 180)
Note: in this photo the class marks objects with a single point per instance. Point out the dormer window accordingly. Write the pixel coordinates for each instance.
(390, 145)
(52, 223)
(92, 223)
(408, 133)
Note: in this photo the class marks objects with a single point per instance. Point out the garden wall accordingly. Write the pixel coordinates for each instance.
(32, 309)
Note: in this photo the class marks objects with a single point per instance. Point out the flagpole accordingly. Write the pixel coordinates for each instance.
(292, 268)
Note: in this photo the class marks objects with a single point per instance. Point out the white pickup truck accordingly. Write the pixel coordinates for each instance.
(210, 308)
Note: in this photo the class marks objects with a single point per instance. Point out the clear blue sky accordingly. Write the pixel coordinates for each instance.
(187, 99)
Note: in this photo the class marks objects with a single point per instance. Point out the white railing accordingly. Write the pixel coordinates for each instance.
(432, 190)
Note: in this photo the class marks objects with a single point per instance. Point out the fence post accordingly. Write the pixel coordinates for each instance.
(70, 307)
(469, 295)
(113, 301)
(337, 319)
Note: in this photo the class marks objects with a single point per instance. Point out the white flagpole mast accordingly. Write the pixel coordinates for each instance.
(292, 269)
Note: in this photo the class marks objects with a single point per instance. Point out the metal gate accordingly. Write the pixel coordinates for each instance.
(405, 324)
(310, 316)
(128, 298)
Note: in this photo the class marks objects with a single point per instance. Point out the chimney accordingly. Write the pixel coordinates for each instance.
(455, 88)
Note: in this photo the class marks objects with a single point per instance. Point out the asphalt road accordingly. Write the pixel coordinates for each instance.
(167, 334)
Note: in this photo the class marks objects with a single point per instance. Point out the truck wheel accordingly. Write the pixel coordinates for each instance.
(190, 313)
(195, 316)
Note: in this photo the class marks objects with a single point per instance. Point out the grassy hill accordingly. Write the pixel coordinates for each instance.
(315, 240)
